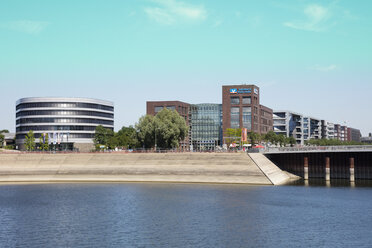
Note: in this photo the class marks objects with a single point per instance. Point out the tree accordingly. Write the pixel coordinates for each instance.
(30, 141)
(291, 140)
(254, 137)
(127, 137)
(2, 137)
(145, 130)
(44, 142)
(170, 128)
(233, 135)
(271, 137)
(104, 136)
(165, 130)
(4, 131)
(281, 139)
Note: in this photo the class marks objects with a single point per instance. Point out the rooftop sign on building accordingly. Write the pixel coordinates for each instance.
(241, 91)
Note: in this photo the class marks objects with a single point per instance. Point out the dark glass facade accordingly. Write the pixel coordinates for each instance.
(206, 126)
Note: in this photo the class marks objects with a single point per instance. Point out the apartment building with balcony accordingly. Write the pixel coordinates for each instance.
(328, 130)
(296, 125)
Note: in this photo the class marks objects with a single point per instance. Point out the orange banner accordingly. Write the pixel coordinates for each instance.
(244, 134)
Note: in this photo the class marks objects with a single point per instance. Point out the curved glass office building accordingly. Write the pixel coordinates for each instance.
(69, 122)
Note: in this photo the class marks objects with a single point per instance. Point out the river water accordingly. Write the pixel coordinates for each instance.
(184, 215)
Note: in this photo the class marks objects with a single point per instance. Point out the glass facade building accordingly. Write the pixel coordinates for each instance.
(206, 126)
(69, 122)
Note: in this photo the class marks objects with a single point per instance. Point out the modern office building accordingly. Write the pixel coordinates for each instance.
(241, 108)
(69, 122)
(205, 126)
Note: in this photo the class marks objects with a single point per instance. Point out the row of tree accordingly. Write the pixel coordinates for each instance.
(233, 135)
(42, 145)
(332, 142)
(165, 130)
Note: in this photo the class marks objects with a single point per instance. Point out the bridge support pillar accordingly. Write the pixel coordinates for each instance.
(306, 168)
(352, 175)
(327, 169)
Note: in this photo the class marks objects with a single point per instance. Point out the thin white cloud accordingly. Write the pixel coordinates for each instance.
(171, 11)
(25, 26)
(324, 68)
(316, 19)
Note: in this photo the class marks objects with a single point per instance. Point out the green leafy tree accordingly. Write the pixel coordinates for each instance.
(254, 137)
(291, 140)
(331, 142)
(271, 137)
(30, 141)
(44, 142)
(233, 135)
(146, 131)
(166, 129)
(127, 137)
(170, 128)
(104, 136)
(2, 137)
(281, 139)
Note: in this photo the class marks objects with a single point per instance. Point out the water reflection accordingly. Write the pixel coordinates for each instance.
(332, 183)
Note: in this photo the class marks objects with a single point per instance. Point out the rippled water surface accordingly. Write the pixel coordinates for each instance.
(184, 215)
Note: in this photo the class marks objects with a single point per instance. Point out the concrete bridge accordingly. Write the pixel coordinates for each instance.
(330, 162)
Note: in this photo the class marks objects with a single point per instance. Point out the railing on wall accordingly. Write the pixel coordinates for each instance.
(317, 149)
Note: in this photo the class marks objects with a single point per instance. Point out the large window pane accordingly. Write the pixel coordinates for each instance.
(246, 100)
(247, 118)
(234, 100)
(234, 118)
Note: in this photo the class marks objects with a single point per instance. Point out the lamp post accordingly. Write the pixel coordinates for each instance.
(155, 129)
(155, 139)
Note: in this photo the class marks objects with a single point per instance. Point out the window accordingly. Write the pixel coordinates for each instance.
(247, 100)
(171, 107)
(247, 117)
(235, 112)
(234, 100)
(158, 108)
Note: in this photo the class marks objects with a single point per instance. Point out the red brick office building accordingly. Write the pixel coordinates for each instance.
(241, 108)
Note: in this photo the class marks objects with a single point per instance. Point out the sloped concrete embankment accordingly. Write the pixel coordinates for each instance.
(121, 167)
(272, 172)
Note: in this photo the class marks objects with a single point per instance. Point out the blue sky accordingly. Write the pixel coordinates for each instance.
(312, 57)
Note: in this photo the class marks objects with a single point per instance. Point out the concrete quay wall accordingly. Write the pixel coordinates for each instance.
(132, 167)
